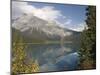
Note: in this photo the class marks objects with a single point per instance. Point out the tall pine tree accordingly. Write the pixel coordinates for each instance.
(88, 41)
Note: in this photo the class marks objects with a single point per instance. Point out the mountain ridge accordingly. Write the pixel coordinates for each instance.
(33, 27)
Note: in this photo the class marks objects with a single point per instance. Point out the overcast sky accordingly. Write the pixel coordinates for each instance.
(69, 16)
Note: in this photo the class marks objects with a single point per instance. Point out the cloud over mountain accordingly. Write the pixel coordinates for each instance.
(47, 12)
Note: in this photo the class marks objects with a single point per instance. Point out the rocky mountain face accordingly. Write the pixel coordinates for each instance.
(33, 27)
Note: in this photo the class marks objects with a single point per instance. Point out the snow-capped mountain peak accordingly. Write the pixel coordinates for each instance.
(29, 24)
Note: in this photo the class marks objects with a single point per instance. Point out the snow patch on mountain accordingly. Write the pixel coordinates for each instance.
(30, 23)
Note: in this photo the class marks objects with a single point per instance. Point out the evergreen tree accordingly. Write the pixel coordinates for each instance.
(88, 41)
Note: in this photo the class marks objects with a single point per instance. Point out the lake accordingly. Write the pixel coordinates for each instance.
(54, 57)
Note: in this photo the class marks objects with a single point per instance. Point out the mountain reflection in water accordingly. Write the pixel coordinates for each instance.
(54, 57)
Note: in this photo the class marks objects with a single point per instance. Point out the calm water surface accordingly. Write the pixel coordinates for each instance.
(54, 57)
